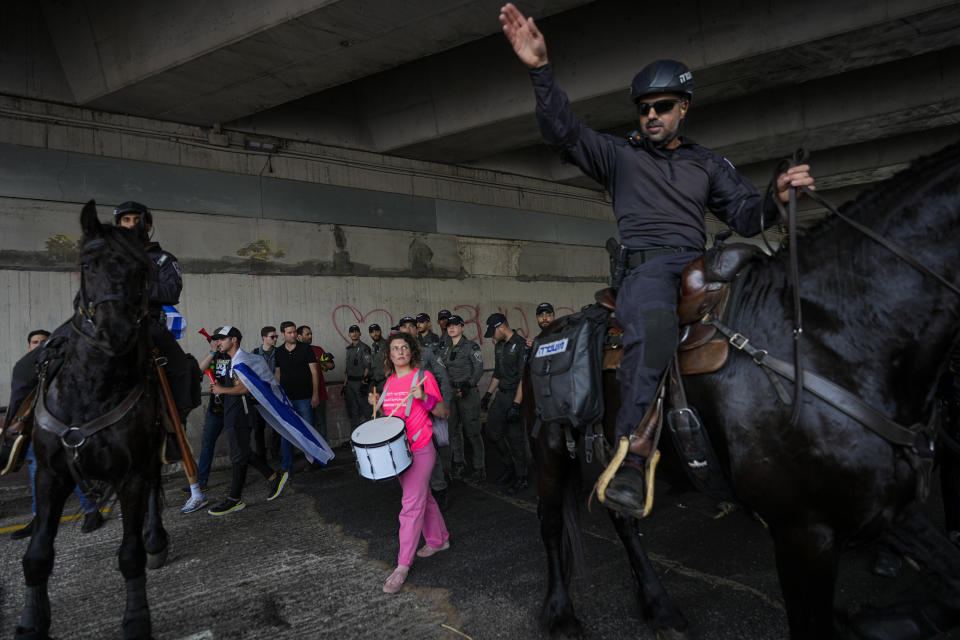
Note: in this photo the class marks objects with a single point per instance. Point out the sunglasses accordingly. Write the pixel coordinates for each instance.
(273, 337)
(660, 106)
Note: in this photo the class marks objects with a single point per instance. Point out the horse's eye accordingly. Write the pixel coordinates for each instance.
(85, 266)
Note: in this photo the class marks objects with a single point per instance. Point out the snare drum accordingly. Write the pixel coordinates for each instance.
(381, 448)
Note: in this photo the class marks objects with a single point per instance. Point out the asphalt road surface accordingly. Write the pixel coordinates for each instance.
(312, 563)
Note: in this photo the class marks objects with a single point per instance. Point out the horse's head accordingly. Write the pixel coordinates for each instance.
(114, 283)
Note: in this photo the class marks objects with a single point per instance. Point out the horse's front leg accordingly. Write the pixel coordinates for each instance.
(557, 474)
(156, 541)
(807, 561)
(52, 493)
(658, 609)
(133, 557)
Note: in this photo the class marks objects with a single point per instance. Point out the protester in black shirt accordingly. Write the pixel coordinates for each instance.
(298, 375)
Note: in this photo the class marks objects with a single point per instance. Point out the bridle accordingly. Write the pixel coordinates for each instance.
(84, 318)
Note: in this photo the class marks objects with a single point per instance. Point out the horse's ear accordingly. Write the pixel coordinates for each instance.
(89, 221)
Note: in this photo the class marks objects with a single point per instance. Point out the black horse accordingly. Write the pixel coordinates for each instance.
(97, 420)
(874, 325)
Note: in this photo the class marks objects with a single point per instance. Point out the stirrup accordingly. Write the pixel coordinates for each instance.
(649, 475)
(15, 453)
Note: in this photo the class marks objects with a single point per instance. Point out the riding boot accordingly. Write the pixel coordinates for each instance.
(626, 492)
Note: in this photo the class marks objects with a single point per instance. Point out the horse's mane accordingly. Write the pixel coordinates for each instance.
(891, 193)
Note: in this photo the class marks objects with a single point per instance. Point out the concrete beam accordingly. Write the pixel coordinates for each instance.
(449, 102)
(217, 61)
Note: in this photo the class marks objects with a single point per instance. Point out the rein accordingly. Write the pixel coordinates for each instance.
(789, 217)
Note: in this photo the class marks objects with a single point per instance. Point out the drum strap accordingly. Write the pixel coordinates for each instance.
(406, 414)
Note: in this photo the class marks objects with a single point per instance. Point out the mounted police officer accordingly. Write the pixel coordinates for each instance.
(165, 287)
(504, 414)
(463, 360)
(660, 184)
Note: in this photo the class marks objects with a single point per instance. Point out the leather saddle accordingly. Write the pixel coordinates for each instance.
(704, 292)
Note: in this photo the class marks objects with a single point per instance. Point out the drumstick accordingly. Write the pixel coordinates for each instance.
(408, 396)
(376, 401)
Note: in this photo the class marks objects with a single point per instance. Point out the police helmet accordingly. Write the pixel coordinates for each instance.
(132, 207)
(662, 76)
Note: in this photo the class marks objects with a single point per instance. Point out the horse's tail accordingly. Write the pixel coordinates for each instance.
(572, 540)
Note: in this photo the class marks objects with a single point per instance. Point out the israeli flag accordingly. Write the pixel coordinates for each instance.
(276, 408)
(176, 323)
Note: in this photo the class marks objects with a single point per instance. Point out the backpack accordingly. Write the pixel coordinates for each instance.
(566, 369)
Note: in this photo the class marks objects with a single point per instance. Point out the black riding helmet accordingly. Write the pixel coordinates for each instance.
(662, 76)
(132, 207)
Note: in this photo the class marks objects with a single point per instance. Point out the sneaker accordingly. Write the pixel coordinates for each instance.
(277, 485)
(226, 507)
(426, 550)
(186, 489)
(517, 487)
(91, 522)
(194, 504)
(395, 582)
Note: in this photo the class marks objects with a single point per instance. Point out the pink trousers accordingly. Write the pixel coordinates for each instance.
(419, 512)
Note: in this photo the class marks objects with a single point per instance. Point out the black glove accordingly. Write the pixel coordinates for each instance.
(513, 413)
(464, 388)
(485, 401)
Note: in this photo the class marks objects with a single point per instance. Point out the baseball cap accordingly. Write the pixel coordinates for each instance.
(227, 331)
(444, 313)
(494, 321)
(454, 319)
(423, 317)
(353, 327)
(404, 320)
(374, 327)
(544, 307)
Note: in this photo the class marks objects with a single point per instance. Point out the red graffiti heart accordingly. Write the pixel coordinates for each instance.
(345, 315)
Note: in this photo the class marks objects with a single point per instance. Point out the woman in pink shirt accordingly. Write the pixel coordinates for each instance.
(419, 513)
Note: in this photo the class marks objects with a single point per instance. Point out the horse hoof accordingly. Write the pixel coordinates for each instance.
(561, 622)
(30, 634)
(156, 560)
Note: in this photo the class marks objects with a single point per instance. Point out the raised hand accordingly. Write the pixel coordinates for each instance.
(526, 39)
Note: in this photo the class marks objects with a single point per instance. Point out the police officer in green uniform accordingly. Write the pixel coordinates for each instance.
(425, 333)
(358, 368)
(463, 360)
(379, 347)
(504, 418)
(443, 318)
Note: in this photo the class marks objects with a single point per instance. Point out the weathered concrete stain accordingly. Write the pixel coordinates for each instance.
(260, 250)
(421, 255)
(62, 248)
